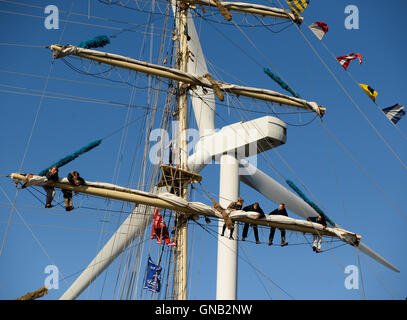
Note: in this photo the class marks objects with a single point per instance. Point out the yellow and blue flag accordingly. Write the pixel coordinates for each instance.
(394, 113)
(372, 93)
(298, 6)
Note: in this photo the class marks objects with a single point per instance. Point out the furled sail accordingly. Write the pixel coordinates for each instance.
(185, 77)
(272, 190)
(163, 199)
(252, 8)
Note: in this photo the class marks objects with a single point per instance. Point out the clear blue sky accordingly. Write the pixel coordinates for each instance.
(355, 198)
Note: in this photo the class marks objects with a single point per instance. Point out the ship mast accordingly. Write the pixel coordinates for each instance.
(182, 221)
(187, 81)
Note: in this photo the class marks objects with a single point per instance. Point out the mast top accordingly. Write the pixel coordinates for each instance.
(249, 8)
(190, 79)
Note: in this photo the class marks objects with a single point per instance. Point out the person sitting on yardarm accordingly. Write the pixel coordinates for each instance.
(76, 180)
(316, 245)
(282, 212)
(235, 205)
(256, 208)
(52, 175)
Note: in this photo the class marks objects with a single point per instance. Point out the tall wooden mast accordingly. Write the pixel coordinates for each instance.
(182, 221)
(186, 81)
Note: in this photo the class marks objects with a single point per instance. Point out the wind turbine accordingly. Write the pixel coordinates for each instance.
(257, 135)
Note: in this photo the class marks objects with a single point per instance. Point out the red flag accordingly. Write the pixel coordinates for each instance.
(345, 60)
(160, 231)
(319, 28)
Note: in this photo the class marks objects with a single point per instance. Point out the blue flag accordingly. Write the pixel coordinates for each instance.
(153, 278)
(394, 113)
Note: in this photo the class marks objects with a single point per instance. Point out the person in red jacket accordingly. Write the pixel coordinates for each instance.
(160, 230)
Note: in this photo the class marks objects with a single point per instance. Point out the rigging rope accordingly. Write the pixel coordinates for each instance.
(333, 76)
(271, 165)
(134, 282)
(349, 154)
(29, 229)
(30, 136)
(360, 272)
(21, 45)
(289, 167)
(257, 273)
(354, 80)
(215, 235)
(155, 108)
(353, 101)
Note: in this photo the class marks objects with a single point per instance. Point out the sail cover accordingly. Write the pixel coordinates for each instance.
(72, 156)
(280, 82)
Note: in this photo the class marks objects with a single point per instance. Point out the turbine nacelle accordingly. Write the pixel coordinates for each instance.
(240, 140)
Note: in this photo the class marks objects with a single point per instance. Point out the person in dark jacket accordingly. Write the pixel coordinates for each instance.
(316, 245)
(256, 208)
(235, 205)
(282, 212)
(76, 180)
(52, 176)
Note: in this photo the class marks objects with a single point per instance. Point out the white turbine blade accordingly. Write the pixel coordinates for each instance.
(274, 191)
(365, 249)
(203, 103)
(133, 226)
